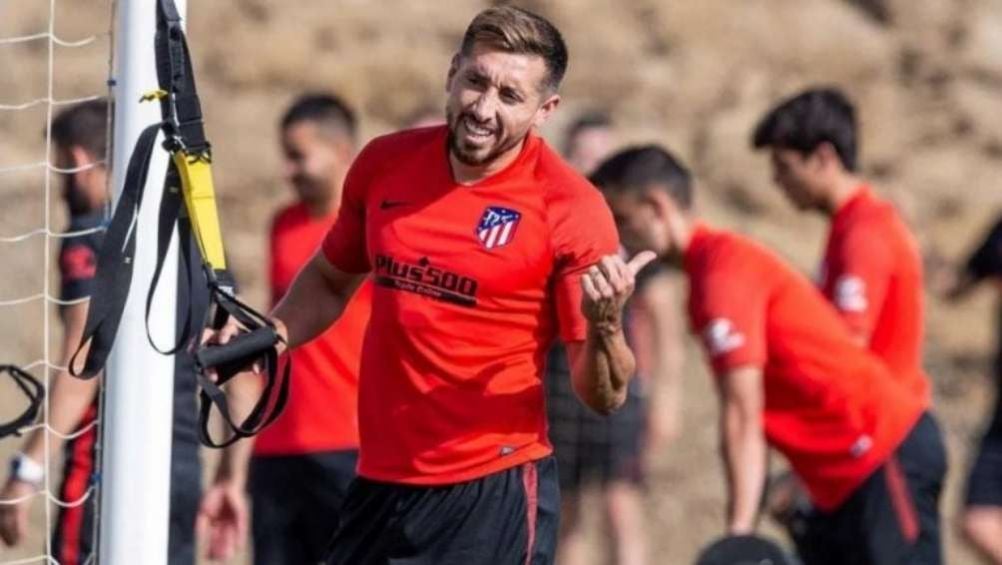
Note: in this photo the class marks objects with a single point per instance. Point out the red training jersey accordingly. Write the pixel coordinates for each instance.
(872, 273)
(322, 413)
(830, 406)
(472, 282)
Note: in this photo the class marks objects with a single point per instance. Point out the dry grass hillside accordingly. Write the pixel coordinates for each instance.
(693, 74)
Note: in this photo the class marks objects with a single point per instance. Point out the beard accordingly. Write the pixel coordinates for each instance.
(478, 156)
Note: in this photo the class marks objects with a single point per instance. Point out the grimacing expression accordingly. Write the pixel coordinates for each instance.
(794, 173)
(310, 161)
(494, 98)
(637, 220)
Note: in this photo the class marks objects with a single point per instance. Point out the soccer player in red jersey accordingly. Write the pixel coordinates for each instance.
(872, 269)
(303, 463)
(482, 245)
(790, 375)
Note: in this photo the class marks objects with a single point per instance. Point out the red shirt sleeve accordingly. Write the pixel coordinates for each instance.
(583, 232)
(861, 270)
(345, 244)
(730, 320)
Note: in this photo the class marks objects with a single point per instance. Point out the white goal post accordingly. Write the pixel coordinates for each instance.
(139, 382)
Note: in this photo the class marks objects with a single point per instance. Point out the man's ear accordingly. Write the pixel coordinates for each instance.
(827, 155)
(546, 110)
(79, 157)
(453, 69)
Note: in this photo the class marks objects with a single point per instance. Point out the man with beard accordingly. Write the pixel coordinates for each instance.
(483, 244)
(79, 135)
(790, 375)
(303, 463)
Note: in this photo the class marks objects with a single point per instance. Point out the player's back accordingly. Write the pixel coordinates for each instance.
(830, 406)
(872, 273)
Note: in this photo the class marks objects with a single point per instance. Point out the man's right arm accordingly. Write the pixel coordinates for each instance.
(315, 300)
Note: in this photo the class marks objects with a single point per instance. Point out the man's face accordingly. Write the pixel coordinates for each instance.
(84, 189)
(640, 225)
(588, 148)
(494, 98)
(797, 175)
(312, 162)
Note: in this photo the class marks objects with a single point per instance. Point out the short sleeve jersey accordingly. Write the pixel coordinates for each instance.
(830, 406)
(471, 284)
(872, 274)
(322, 413)
(78, 256)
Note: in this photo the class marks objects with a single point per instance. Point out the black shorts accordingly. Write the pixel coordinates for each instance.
(892, 518)
(74, 539)
(984, 485)
(591, 448)
(507, 518)
(296, 503)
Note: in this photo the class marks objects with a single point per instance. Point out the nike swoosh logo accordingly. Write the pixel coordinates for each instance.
(387, 204)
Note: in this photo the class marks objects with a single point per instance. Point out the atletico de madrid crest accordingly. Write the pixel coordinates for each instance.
(497, 226)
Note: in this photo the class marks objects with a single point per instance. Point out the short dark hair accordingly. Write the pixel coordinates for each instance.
(589, 120)
(807, 120)
(324, 109)
(640, 167)
(83, 125)
(514, 30)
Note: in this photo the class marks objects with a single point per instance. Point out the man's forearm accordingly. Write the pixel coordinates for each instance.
(605, 367)
(744, 451)
(315, 301)
(241, 393)
(69, 398)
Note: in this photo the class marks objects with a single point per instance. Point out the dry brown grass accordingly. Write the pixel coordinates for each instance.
(692, 74)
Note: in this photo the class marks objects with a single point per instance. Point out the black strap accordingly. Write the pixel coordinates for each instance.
(33, 390)
(114, 263)
(184, 131)
(257, 344)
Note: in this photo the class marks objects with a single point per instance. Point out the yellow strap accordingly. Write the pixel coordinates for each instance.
(200, 200)
(153, 95)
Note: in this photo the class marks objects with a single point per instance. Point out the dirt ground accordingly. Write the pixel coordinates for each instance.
(693, 74)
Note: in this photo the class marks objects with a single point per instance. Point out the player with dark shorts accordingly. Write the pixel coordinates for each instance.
(304, 462)
(790, 375)
(982, 515)
(872, 269)
(79, 137)
(482, 245)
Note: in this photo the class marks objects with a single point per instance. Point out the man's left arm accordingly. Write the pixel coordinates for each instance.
(860, 285)
(603, 364)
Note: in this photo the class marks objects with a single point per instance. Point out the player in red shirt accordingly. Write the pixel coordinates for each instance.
(482, 245)
(303, 463)
(872, 269)
(790, 375)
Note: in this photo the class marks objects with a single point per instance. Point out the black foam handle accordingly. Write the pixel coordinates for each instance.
(242, 350)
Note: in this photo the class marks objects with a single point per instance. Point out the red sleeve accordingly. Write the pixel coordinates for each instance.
(729, 313)
(583, 232)
(861, 268)
(345, 245)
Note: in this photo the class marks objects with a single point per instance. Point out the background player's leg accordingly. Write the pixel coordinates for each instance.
(981, 522)
(572, 546)
(276, 503)
(982, 526)
(326, 481)
(923, 461)
(625, 512)
(73, 538)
